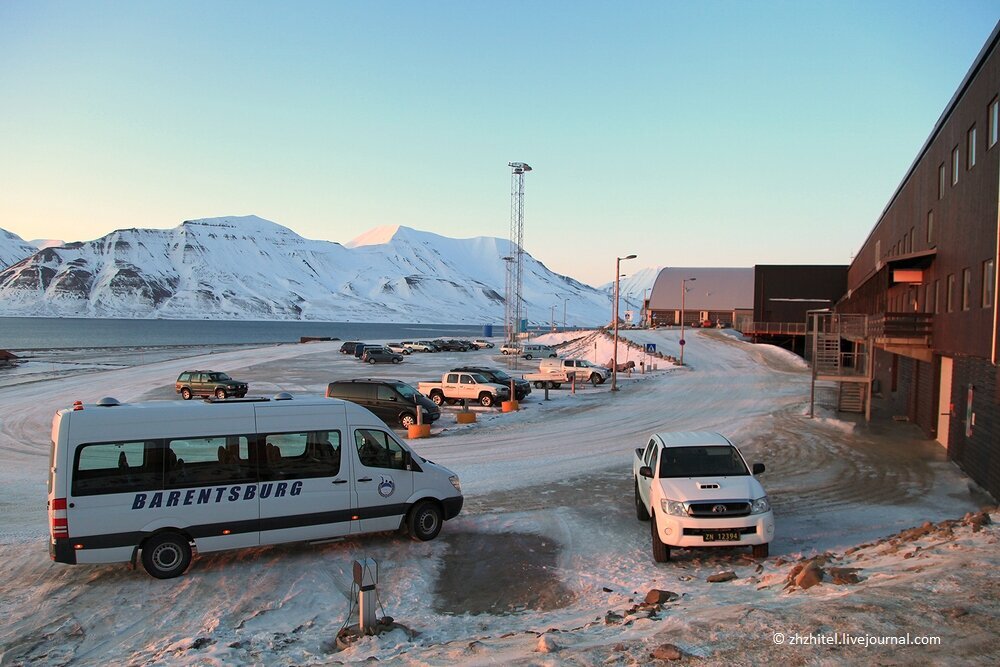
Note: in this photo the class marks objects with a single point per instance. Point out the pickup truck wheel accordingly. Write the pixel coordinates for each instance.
(424, 522)
(760, 551)
(486, 400)
(595, 379)
(538, 384)
(437, 397)
(186, 394)
(640, 510)
(661, 552)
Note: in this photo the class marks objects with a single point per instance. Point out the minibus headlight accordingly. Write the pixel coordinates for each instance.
(674, 507)
(760, 505)
(454, 482)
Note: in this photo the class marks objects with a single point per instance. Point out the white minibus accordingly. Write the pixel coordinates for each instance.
(161, 478)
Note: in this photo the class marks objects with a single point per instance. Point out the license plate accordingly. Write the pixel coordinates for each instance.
(721, 536)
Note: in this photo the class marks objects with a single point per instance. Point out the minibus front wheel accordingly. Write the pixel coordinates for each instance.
(424, 522)
(166, 555)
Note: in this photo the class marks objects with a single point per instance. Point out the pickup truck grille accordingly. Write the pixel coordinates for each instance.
(719, 509)
(748, 530)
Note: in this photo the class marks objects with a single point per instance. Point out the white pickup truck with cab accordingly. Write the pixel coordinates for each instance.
(554, 372)
(696, 490)
(454, 387)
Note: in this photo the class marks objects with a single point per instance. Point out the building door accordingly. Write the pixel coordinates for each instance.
(944, 401)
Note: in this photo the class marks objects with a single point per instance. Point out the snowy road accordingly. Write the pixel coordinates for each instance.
(548, 512)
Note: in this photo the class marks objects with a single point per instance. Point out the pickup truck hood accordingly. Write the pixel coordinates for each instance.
(690, 489)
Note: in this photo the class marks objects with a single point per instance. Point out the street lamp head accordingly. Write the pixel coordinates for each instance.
(629, 257)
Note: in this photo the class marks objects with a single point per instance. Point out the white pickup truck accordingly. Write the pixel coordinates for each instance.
(696, 490)
(454, 387)
(554, 372)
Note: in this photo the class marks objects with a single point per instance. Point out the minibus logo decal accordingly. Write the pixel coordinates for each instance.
(216, 494)
(386, 486)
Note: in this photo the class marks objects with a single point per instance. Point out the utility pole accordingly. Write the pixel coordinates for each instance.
(614, 360)
(683, 293)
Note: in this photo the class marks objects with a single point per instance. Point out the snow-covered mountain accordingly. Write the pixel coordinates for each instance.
(251, 268)
(13, 248)
(633, 287)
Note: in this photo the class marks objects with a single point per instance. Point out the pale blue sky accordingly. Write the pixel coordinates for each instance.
(693, 134)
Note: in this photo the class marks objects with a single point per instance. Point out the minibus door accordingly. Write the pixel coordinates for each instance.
(305, 488)
(383, 483)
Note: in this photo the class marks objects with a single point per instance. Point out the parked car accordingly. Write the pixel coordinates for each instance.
(510, 348)
(419, 345)
(348, 347)
(521, 387)
(375, 354)
(481, 344)
(359, 349)
(392, 401)
(696, 490)
(452, 345)
(400, 348)
(532, 350)
(208, 383)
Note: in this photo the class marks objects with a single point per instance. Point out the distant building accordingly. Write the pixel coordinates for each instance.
(768, 302)
(920, 317)
(716, 295)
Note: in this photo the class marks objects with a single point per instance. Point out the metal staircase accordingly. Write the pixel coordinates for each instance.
(851, 397)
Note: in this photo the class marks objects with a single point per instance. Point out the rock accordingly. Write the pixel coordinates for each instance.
(844, 575)
(667, 652)
(810, 575)
(957, 612)
(547, 644)
(607, 590)
(611, 618)
(977, 521)
(718, 578)
(619, 647)
(657, 596)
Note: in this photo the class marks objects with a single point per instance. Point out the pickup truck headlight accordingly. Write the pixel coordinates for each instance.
(674, 507)
(760, 505)
(454, 482)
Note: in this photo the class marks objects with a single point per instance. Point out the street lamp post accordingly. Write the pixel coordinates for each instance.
(683, 293)
(614, 360)
(553, 317)
(565, 301)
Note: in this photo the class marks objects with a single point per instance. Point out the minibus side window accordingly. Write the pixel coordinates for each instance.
(208, 461)
(115, 467)
(377, 450)
(301, 455)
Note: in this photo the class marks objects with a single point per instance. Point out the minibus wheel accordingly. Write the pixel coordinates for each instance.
(424, 521)
(166, 555)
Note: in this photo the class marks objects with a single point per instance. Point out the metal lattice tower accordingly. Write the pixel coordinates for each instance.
(515, 251)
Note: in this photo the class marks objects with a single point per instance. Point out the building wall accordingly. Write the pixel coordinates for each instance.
(784, 293)
(977, 454)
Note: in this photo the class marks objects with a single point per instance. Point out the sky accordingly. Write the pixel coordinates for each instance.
(716, 133)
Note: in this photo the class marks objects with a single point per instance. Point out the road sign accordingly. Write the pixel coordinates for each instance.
(682, 341)
(650, 348)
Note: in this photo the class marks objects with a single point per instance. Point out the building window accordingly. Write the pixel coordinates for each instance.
(949, 298)
(930, 228)
(994, 115)
(937, 294)
(942, 183)
(966, 289)
(989, 280)
(955, 162)
(970, 148)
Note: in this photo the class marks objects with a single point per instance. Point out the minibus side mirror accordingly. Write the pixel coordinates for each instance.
(646, 471)
(758, 468)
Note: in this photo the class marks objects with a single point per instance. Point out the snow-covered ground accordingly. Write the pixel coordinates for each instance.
(547, 563)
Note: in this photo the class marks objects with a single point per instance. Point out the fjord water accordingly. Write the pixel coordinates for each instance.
(37, 333)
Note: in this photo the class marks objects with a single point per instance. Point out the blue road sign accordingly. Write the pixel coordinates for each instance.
(650, 348)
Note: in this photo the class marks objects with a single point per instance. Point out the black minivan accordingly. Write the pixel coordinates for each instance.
(392, 401)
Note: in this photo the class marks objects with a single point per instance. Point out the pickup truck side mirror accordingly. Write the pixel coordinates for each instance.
(758, 468)
(646, 471)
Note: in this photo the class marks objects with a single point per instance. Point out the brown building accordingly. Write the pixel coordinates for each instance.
(926, 281)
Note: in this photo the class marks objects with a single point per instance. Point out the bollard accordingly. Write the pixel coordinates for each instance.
(572, 384)
(465, 417)
(546, 390)
(509, 406)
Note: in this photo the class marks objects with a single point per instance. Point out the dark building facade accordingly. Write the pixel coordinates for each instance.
(785, 293)
(926, 277)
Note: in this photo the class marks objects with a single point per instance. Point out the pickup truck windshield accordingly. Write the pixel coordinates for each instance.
(709, 461)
